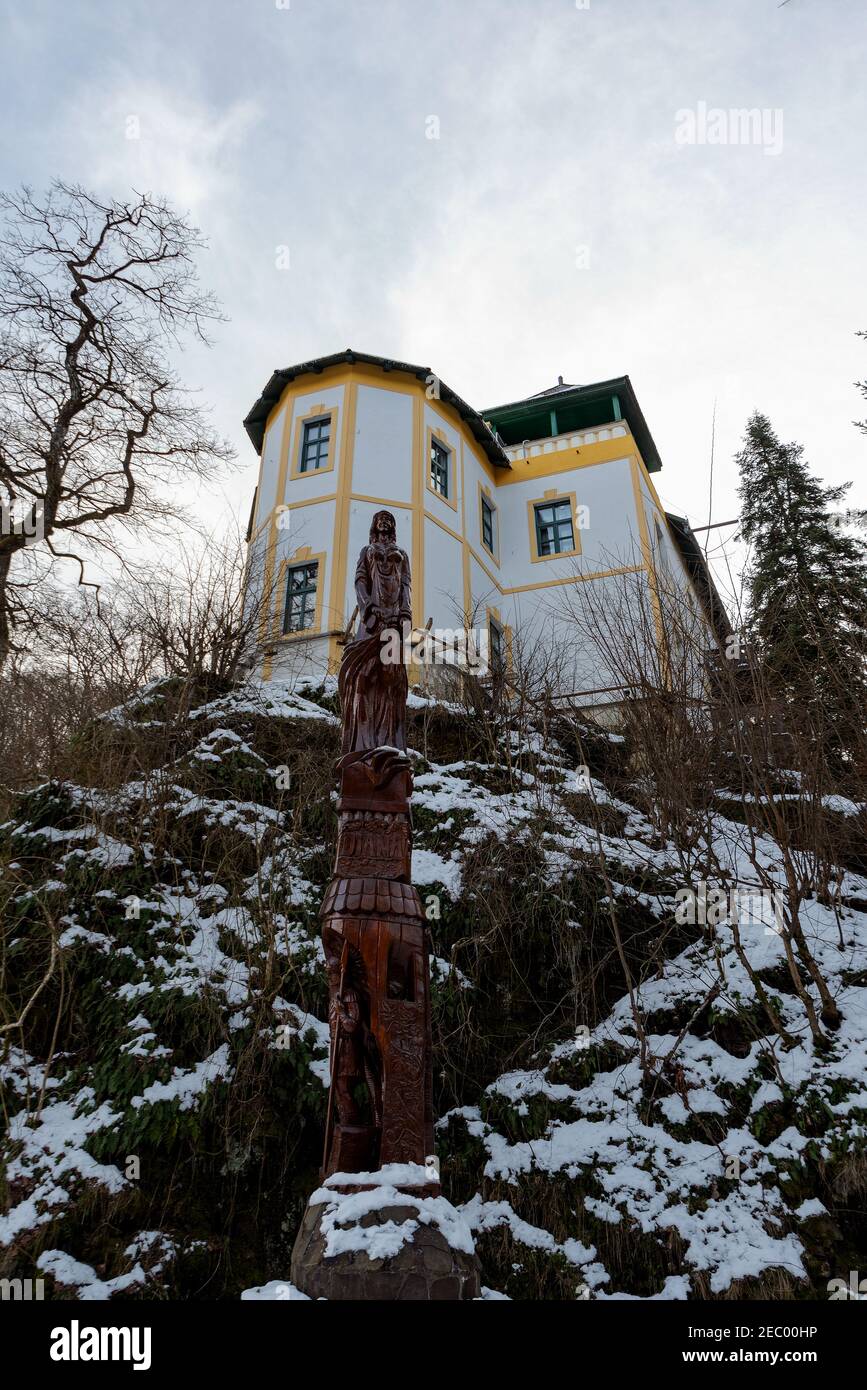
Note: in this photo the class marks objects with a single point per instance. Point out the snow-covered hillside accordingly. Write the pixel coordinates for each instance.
(165, 1091)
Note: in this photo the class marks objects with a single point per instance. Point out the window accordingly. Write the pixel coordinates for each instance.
(300, 611)
(314, 440)
(661, 551)
(314, 445)
(554, 533)
(439, 468)
(496, 647)
(488, 524)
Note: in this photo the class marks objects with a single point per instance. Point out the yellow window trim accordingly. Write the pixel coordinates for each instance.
(435, 433)
(317, 412)
(485, 492)
(552, 495)
(302, 556)
(507, 636)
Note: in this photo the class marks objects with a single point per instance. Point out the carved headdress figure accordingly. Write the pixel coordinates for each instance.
(373, 684)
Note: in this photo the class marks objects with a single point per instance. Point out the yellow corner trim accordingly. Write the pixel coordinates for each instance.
(575, 579)
(267, 616)
(341, 518)
(647, 553)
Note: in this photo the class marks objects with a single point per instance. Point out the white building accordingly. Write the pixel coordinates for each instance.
(503, 512)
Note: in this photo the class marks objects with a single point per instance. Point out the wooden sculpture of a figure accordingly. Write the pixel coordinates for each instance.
(380, 1104)
(373, 691)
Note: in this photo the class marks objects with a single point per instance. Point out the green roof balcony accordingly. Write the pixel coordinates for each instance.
(565, 410)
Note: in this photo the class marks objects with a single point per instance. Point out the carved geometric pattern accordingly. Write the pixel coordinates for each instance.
(373, 846)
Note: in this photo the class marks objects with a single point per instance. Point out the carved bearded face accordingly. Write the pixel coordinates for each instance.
(383, 529)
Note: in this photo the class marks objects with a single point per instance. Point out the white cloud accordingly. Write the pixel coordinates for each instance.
(146, 135)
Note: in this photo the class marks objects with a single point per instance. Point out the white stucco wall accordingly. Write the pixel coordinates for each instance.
(382, 453)
(270, 468)
(443, 596)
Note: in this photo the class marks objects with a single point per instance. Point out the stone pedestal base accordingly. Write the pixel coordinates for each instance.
(364, 1239)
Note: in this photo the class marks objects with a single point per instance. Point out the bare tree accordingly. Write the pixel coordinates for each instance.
(191, 618)
(93, 420)
(200, 617)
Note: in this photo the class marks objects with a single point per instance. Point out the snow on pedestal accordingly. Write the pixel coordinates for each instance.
(363, 1237)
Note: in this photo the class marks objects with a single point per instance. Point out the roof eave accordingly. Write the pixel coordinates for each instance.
(256, 418)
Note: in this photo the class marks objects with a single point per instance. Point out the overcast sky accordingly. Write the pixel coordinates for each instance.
(560, 224)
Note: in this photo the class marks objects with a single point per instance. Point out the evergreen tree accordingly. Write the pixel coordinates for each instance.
(807, 587)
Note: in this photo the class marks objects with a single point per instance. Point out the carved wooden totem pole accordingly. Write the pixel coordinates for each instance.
(380, 1108)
